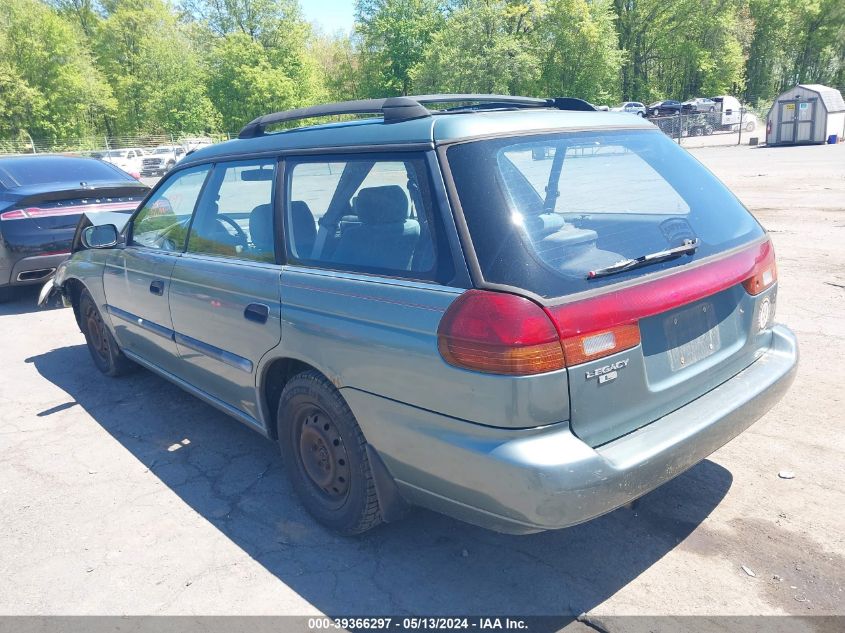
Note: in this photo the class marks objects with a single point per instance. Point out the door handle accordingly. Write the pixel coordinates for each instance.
(157, 287)
(257, 312)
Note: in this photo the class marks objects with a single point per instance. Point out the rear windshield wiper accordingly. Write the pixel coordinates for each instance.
(687, 248)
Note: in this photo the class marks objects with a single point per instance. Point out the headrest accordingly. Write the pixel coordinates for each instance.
(261, 227)
(382, 205)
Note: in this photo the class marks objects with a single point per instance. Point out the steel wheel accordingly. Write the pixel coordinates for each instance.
(323, 455)
(103, 348)
(98, 338)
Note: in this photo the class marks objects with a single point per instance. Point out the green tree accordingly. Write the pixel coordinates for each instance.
(484, 47)
(257, 57)
(48, 65)
(155, 74)
(577, 45)
(394, 36)
(339, 60)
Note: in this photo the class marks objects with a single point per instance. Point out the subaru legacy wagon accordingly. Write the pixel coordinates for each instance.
(519, 312)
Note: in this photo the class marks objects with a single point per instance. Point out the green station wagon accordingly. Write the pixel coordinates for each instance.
(519, 312)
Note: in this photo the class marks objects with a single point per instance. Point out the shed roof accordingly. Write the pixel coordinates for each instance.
(831, 97)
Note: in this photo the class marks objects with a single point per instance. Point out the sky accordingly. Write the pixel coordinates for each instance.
(330, 15)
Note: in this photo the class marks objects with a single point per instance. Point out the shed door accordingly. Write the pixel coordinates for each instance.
(797, 120)
(786, 116)
(805, 121)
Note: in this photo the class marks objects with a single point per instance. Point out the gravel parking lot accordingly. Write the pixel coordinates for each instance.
(131, 497)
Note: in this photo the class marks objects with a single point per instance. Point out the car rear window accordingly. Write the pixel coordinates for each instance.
(39, 171)
(544, 211)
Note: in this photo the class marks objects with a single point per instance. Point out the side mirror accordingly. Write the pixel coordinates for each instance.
(102, 236)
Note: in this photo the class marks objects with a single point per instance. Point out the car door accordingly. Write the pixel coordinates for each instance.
(224, 292)
(137, 277)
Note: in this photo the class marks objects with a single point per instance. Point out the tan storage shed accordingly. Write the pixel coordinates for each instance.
(807, 113)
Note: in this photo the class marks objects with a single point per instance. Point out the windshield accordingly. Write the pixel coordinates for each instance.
(117, 154)
(163, 150)
(544, 211)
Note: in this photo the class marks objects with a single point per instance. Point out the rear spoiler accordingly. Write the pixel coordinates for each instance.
(97, 219)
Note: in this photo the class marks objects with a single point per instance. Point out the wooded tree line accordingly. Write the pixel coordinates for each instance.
(72, 68)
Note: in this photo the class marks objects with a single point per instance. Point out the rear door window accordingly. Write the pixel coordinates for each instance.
(545, 211)
(361, 214)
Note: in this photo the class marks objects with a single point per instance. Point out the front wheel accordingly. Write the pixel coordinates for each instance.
(101, 344)
(325, 455)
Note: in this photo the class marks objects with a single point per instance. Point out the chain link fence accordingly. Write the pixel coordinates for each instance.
(25, 144)
(702, 129)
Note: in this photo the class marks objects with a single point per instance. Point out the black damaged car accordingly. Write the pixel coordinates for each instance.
(41, 200)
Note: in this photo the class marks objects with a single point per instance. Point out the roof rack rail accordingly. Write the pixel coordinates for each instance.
(397, 109)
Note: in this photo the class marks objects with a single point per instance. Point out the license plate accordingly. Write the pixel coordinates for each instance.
(692, 334)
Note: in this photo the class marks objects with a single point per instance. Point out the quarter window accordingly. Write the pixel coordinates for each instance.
(362, 214)
(163, 221)
(235, 215)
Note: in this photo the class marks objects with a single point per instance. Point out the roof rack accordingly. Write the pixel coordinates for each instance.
(397, 109)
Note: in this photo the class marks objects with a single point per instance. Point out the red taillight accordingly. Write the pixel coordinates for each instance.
(506, 334)
(17, 214)
(765, 272)
(628, 305)
(499, 333)
(74, 209)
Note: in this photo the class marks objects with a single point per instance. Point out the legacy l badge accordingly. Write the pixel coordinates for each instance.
(607, 372)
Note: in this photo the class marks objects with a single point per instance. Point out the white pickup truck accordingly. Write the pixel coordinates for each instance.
(160, 160)
(128, 159)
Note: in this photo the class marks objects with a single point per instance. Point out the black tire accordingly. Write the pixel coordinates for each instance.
(324, 453)
(101, 344)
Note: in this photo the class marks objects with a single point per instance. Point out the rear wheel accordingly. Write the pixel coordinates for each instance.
(324, 453)
(101, 344)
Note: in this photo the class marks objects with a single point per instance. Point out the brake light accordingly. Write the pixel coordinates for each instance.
(73, 209)
(765, 273)
(499, 333)
(507, 334)
(17, 214)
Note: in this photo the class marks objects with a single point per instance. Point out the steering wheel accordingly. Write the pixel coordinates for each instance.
(239, 232)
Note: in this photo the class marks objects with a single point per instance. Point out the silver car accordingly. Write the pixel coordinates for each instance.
(632, 107)
(519, 312)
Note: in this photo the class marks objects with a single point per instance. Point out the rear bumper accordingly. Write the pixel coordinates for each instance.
(35, 269)
(523, 481)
